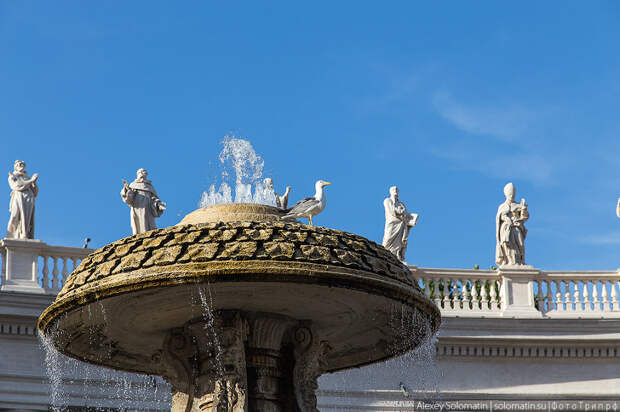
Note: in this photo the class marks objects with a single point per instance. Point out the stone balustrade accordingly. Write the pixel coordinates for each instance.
(32, 266)
(566, 293)
(521, 292)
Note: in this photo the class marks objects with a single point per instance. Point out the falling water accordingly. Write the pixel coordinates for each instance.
(53, 371)
(77, 384)
(414, 374)
(239, 155)
(210, 326)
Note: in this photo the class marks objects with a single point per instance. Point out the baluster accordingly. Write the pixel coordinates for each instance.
(548, 296)
(493, 299)
(604, 296)
(503, 295)
(463, 295)
(558, 295)
(65, 272)
(45, 280)
(577, 298)
(595, 295)
(475, 303)
(484, 300)
(540, 303)
(567, 295)
(3, 261)
(614, 295)
(470, 294)
(427, 287)
(446, 294)
(586, 296)
(550, 305)
(457, 294)
(55, 273)
(436, 294)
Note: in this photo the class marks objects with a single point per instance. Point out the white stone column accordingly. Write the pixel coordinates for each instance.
(517, 291)
(21, 270)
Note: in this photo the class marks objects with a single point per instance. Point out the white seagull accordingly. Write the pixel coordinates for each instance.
(310, 206)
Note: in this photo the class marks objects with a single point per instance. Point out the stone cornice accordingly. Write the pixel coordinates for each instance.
(24, 304)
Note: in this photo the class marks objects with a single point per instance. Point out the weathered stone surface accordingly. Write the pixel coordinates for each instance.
(255, 234)
(164, 256)
(102, 270)
(349, 258)
(223, 241)
(80, 278)
(326, 240)
(131, 262)
(219, 235)
(155, 242)
(241, 250)
(124, 249)
(278, 250)
(200, 252)
(96, 258)
(190, 237)
(314, 253)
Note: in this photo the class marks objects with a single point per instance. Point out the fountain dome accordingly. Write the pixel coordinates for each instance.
(235, 307)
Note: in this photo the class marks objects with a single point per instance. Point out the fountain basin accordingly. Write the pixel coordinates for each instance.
(121, 305)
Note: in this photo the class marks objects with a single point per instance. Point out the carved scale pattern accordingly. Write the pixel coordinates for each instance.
(234, 241)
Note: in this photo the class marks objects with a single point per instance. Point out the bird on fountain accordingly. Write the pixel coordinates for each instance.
(310, 206)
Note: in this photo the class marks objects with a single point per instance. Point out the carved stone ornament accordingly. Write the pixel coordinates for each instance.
(238, 241)
(310, 353)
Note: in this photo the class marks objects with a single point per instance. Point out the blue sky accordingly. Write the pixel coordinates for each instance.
(449, 101)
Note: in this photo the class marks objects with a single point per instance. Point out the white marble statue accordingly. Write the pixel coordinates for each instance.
(145, 205)
(509, 230)
(398, 224)
(21, 206)
(281, 200)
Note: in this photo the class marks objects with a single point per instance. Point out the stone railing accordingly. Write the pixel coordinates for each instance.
(32, 266)
(521, 292)
(567, 293)
(460, 290)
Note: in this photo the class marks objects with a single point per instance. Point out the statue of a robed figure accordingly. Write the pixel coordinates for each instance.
(398, 224)
(21, 205)
(145, 205)
(510, 231)
(280, 200)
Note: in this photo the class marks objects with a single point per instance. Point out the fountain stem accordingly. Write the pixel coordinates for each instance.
(245, 362)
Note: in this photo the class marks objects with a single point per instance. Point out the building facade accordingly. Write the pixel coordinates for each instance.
(509, 335)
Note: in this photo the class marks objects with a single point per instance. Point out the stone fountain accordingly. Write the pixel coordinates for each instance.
(238, 310)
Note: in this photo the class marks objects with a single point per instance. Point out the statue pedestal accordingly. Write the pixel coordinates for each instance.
(20, 269)
(517, 291)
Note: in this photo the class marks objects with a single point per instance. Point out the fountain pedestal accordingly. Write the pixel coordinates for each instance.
(237, 361)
